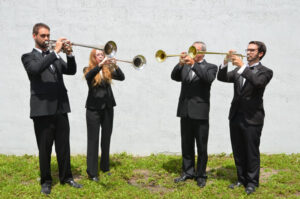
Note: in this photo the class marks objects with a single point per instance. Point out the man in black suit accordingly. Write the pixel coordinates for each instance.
(247, 112)
(49, 104)
(196, 77)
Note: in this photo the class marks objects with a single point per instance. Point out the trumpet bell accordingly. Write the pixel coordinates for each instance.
(138, 62)
(110, 49)
(160, 55)
(192, 52)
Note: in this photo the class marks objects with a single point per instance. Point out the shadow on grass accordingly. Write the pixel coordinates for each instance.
(223, 173)
(114, 163)
(218, 173)
(173, 166)
(76, 170)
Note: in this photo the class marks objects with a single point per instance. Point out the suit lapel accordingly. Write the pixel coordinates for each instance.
(240, 82)
(186, 70)
(201, 65)
(55, 67)
(39, 56)
(246, 84)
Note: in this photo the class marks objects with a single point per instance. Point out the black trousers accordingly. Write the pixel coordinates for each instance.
(245, 140)
(192, 130)
(95, 119)
(48, 129)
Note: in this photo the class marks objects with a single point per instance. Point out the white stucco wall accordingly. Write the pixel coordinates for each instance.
(145, 116)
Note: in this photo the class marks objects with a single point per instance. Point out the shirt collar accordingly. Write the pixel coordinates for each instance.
(200, 62)
(37, 49)
(252, 66)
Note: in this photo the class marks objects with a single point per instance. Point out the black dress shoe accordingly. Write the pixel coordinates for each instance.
(72, 183)
(46, 188)
(182, 178)
(108, 173)
(201, 182)
(95, 179)
(235, 185)
(249, 190)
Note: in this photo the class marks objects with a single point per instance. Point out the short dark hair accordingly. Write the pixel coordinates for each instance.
(260, 46)
(36, 27)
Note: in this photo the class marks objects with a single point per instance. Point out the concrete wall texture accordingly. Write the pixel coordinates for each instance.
(145, 115)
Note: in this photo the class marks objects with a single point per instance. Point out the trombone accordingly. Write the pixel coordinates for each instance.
(193, 52)
(110, 50)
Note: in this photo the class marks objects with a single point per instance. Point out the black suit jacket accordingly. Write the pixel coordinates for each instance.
(101, 96)
(47, 88)
(248, 99)
(194, 97)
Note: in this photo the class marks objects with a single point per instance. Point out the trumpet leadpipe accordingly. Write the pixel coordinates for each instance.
(193, 52)
(110, 48)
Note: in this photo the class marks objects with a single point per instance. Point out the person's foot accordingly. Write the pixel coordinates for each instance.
(72, 183)
(107, 173)
(235, 185)
(95, 178)
(201, 182)
(182, 178)
(249, 190)
(46, 188)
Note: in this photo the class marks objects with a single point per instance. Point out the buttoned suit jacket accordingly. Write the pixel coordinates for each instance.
(48, 93)
(248, 97)
(101, 96)
(194, 99)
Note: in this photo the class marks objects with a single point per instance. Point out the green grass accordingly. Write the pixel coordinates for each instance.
(150, 177)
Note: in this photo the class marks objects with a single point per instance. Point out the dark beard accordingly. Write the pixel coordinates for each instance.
(41, 45)
(251, 59)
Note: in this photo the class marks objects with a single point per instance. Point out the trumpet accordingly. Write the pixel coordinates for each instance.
(137, 62)
(161, 56)
(110, 48)
(193, 52)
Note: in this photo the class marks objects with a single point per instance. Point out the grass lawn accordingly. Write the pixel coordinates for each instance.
(150, 177)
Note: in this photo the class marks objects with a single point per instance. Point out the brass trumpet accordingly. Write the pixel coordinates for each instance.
(110, 48)
(161, 56)
(193, 52)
